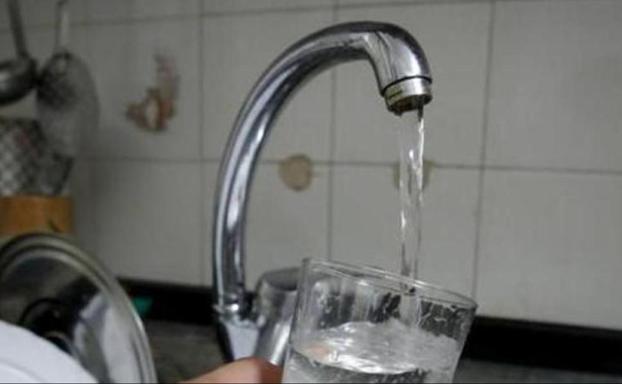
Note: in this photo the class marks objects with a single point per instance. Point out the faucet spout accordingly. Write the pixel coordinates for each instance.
(404, 81)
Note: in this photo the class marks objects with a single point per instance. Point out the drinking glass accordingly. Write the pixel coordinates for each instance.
(366, 325)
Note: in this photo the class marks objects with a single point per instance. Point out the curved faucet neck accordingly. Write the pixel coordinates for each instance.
(403, 78)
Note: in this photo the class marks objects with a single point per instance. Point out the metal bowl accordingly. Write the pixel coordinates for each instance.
(52, 288)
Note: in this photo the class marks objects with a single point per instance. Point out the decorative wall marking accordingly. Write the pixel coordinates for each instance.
(296, 172)
(155, 110)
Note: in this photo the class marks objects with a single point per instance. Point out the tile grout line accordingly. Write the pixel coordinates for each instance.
(203, 200)
(483, 152)
(88, 21)
(554, 170)
(261, 11)
(150, 160)
(331, 152)
(402, 3)
(371, 164)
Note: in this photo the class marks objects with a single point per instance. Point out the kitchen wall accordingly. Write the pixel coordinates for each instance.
(523, 208)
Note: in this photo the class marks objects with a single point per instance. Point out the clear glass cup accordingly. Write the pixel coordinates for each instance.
(365, 325)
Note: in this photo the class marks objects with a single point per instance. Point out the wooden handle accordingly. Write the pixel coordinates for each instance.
(24, 214)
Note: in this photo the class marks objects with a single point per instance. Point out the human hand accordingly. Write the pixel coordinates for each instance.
(251, 370)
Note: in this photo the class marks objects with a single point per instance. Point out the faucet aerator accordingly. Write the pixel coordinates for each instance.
(407, 95)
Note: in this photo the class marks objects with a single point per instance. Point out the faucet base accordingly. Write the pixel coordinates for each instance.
(276, 303)
(238, 337)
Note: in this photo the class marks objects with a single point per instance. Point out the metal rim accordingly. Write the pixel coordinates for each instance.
(71, 255)
(428, 290)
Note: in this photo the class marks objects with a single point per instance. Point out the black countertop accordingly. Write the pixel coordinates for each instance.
(182, 351)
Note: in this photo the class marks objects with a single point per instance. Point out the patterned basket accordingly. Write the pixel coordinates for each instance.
(22, 145)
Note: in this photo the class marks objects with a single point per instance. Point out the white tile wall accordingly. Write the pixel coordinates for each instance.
(454, 38)
(365, 217)
(548, 240)
(550, 248)
(261, 5)
(233, 63)
(449, 227)
(122, 59)
(366, 223)
(556, 85)
(148, 224)
(114, 10)
(285, 226)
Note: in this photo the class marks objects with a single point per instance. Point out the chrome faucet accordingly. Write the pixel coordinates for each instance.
(261, 327)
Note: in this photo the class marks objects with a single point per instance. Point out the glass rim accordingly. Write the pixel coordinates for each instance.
(346, 270)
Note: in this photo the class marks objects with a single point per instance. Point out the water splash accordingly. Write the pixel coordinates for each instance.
(362, 352)
(411, 140)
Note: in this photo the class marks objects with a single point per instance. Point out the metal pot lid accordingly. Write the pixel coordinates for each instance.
(52, 288)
